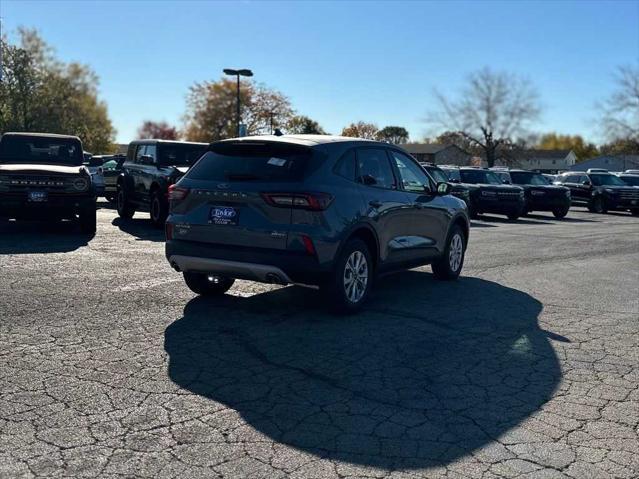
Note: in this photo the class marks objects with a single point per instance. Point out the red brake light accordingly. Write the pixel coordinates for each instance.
(176, 193)
(308, 245)
(305, 201)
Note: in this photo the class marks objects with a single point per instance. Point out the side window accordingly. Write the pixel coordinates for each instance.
(139, 153)
(412, 176)
(346, 165)
(151, 150)
(374, 168)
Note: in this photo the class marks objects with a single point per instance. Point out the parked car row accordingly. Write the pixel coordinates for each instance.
(318, 210)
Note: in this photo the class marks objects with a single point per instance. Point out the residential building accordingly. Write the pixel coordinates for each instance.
(438, 153)
(609, 162)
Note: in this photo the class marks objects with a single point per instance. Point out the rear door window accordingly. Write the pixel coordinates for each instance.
(252, 162)
(374, 168)
(346, 166)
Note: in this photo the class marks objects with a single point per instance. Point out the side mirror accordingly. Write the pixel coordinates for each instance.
(444, 189)
(147, 160)
(368, 180)
(454, 180)
(506, 182)
(585, 183)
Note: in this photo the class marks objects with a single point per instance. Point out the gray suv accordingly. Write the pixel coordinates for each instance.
(318, 210)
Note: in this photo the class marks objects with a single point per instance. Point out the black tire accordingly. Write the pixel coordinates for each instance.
(348, 298)
(634, 212)
(88, 221)
(597, 205)
(200, 284)
(159, 209)
(513, 216)
(560, 213)
(125, 210)
(449, 266)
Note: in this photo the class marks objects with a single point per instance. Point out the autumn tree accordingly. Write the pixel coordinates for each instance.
(492, 110)
(620, 147)
(304, 125)
(393, 134)
(554, 141)
(620, 112)
(41, 93)
(210, 113)
(160, 130)
(361, 129)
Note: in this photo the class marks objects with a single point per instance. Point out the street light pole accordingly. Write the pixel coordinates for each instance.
(238, 74)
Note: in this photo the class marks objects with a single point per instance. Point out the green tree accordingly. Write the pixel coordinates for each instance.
(393, 134)
(361, 129)
(493, 110)
(210, 110)
(554, 141)
(41, 93)
(303, 125)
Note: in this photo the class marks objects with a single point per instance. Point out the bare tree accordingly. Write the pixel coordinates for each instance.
(620, 118)
(492, 111)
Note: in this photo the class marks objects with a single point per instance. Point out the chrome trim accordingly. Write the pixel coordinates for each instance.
(235, 269)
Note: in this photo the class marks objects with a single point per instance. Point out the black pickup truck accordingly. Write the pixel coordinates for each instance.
(151, 166)
(541, 195)
(488, 192)
(42, 178)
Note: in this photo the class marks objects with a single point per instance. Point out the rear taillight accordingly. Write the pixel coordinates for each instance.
(305, 201)
(176, 193)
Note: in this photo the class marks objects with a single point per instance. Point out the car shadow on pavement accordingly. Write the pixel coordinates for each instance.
(565, 219)
(519, 221)
(141, 228)
(429, 372)
(29, 237)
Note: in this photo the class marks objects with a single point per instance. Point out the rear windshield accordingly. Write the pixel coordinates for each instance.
(180, 155)
(525, 178)
(27, 149)
(452, 174)
(607, 180)
(438, 175)
(480, 177)
(252, 162)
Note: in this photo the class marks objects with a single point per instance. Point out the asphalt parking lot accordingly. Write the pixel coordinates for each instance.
(528, 366)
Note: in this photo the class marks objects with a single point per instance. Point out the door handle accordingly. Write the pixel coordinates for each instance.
(375, 203)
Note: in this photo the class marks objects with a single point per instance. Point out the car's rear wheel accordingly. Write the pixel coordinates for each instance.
(125, 210)
(513, 216)
(352, 278)
(597, 205)
(159, 209)
(88, 220)
(206, 284)
(560, 213)
(450, 264)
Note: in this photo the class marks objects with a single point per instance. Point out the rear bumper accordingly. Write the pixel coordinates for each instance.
(235, 269)
(254, 264)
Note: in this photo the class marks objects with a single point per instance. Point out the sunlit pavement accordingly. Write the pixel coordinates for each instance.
(526, 367)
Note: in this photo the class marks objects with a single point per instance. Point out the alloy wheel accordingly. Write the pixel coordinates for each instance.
(355, 276)
(456, 252)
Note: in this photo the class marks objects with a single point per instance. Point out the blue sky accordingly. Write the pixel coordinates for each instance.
(340, 62)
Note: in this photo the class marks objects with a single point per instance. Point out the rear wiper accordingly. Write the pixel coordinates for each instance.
(242, 176)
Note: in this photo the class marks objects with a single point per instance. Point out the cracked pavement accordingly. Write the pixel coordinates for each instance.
(528, 366)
